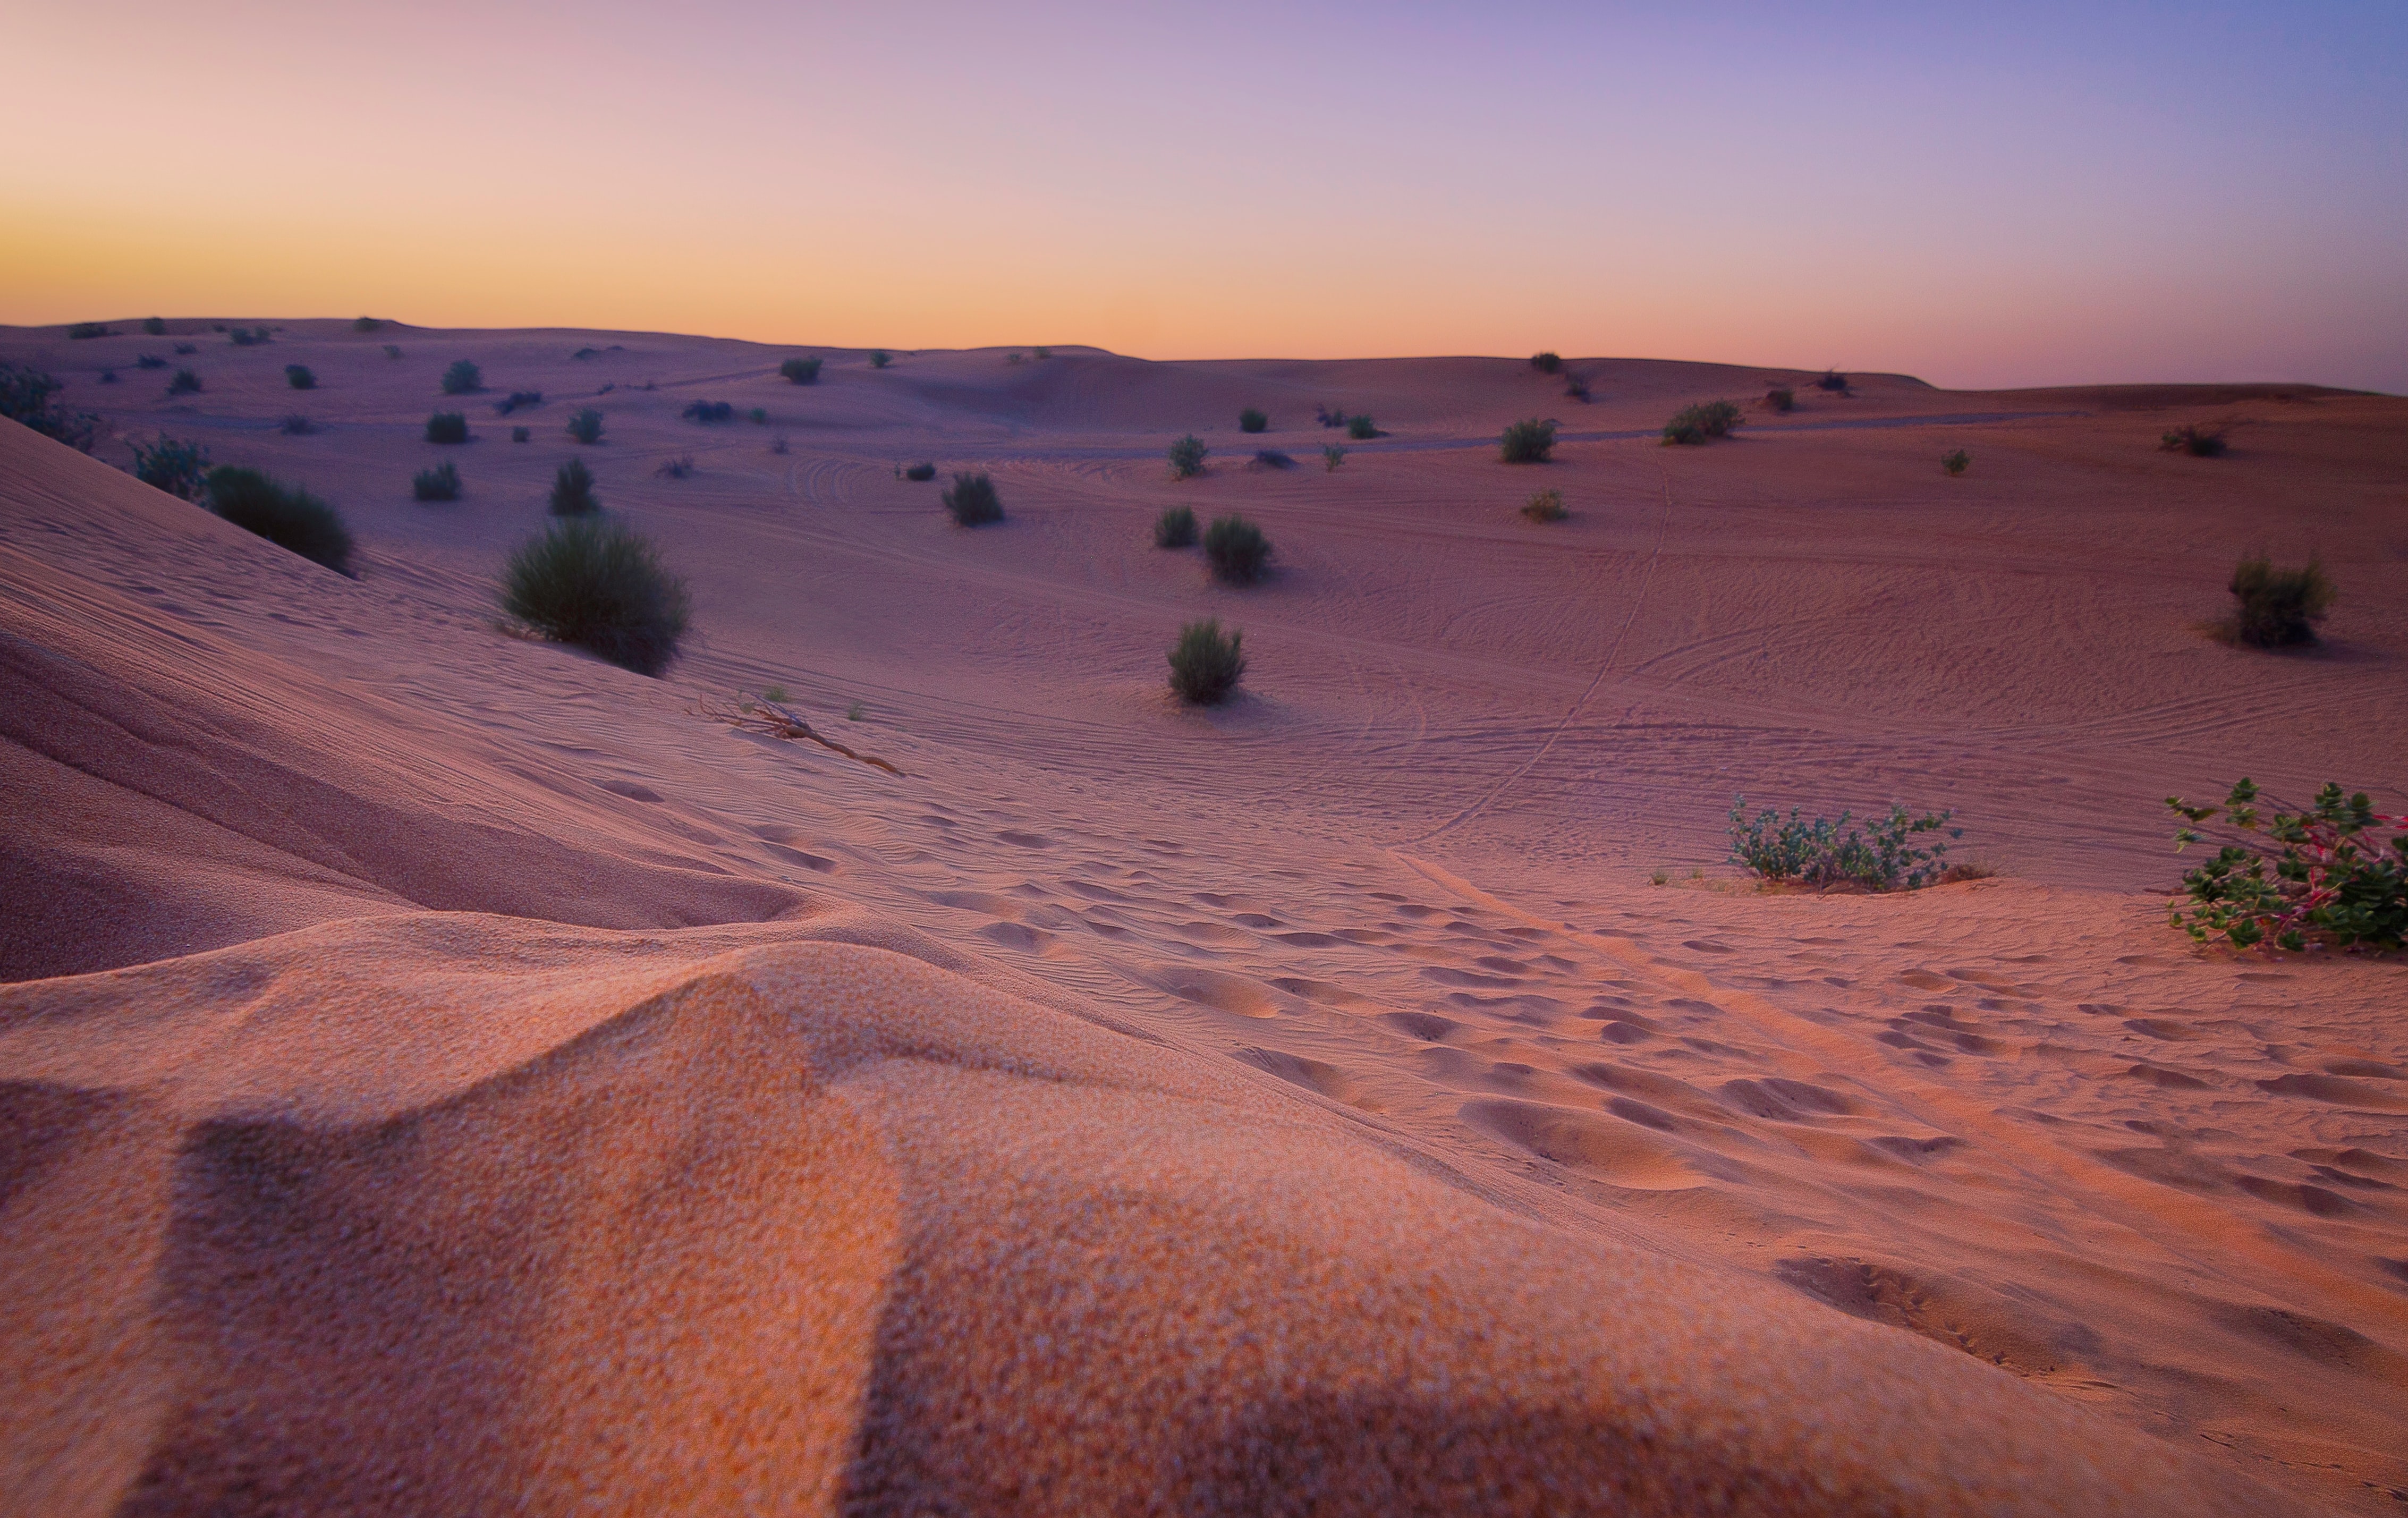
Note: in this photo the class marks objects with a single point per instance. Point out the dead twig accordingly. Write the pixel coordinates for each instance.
(774, 721)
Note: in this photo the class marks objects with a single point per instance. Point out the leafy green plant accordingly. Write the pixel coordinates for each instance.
(2279, 608)
(1361, 429)
(921, 472)
(2198, 441)
(1187, 457)
(1880, 857)
(29, 397)
(463, 379)
(800, 371)
(2324, 874)
(1252, 420)
(440, 484)
(599, 586)
(1694, 424)
(184, 382)
(1528, 442)
(1547, 363)
(1546, 505)
(1206, 664)
(972, 500)
(880, 358)
(447, 427)
(1781, 398)
(91, 329)
(299, 376)
(178, 468)
(1955, 462)
(1175, 528)
(155, 325)
(709, 411)
(1236, 550)
(586, 426)
(1332, 456)
(572, 490)
(285, 515)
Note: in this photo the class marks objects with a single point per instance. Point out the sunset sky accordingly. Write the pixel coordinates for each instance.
(1992, 196)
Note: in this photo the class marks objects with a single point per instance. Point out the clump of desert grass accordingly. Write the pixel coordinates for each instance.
(1576, 386)
(1236, 550)
(1362, 429)
(1545, 506)
(598, 586)
(1206, 664)
(285, 515)
(440, 484)
(1175, 528)
(572, 490)
(678, 467)
(1698, 423)
(2276, 607)
(184, 382)
(1528, 442)
(2199, 442)
(1187, 457)
(1781, 400)
(1332, 455)
(972, 500)
(447, 427)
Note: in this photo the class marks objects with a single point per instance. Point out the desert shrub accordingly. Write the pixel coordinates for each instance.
(186, 350)
(2198, 441)
(586, 426)
(155, 326)
(880, 358)
(1187, 457)
(1546, 505)
(1883, 857)
(30, 399)
(250, 337)
(1781, 398)
(1271, 458)
(109, 377)
(800, 371)
(1236, 550)
(1015, 357)
(1043, 352)
(1327, 417)
(1576, 386)
(1547, 363)
(521, 435)
(1955, 462)
(392, 350)
(760, 416)
(1252, 420)
(1332, 456)
(1175, 528)
(299, 376)
(179, 468)
(447, 427)
(972, 500)
(1834, 382)
(366, 323)
(778, 444)
(676, 468)
(2278, 608)
(91, 329)
(572, 490)
(921, 472)
(285, 515)
(2324, 874)
(598, 586)
(148, 360)
(1528, 442)
(1694, 424)
(296, 426)
(184, 382)
(520, 400)
(440, 484)
(1361, 429)
(709, 411)
(1206, 664)
(463, 379)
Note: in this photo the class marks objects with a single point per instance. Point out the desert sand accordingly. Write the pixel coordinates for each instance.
(444, 1073)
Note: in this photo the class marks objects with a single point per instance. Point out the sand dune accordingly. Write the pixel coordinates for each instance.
(442, 1072)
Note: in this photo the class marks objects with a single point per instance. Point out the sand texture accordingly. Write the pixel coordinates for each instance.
(443, 1073)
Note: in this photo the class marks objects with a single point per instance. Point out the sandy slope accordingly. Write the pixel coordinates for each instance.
(1308, 1104)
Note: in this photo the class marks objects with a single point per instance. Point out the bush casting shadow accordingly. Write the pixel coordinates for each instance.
(800, 371)
(586, 426)
(440, 484)
(447, 427)
(1252, 420)
(179, 468)
(1205, 664)
(1956, 463)
(921, 472)
(30, 399)
(1528, 442)
(1187, 457)
(972, 500)
(598, 586)
(463, 379)
(2198, 441)
(299, 376)
(1818, 854)
(1175, 528)
(287, 516)
(1546, 505)
(1695, 424)
(1237, 551)
(572, 490)
(2278, 608)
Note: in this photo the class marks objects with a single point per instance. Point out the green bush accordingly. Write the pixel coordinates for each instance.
(1361, 429)
(1546, 505)
(2323, 874)
(287, 516)
(184, 382)
(972, 500)
(1252, 420)
(520, 435)
(1187, 457)
(1528, 442)
(447, 427)
(155, 325)
(801, 371)
(91, 329)
(1955, 462)
(1781, 400)
(880, 358)
(586, 426)
(179, 468)
(440, 484)
(2279, 607)
(2198, 441)
(1819, 854)
(29, 397)
(366, 323)
(709, 411)
(1237, 551)
(1694, 424)
(463, 379)
(1332, 456)
(572, 490)
(1175, 528)
(299, 376)
(598, 586)
(1205, 664)
(921, 472)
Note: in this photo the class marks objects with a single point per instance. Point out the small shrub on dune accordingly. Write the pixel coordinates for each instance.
(1187, 457)
(392, 350)
(1237, 551)
(1695, 424)
(179, 468)
(709, 411)
(1834, 382)
(1955, 462)
(1175, 528)
(109, 377)
(186, 350)
(250, 337)
(299, 376)
(440, 484)
(1015, 357)
(586, 426)
(1043, 353)
(91, 329)
(185, 383)
(1252, 420)
(366, 323)
(447, 427)
(29, 397)
(800, 371)
(2324, 874)
(1528, 442)
(520, 400)
(880, 358)
(1546, 505)
(1361, 429)
(1271, 458)
(296, 426)
(2279, 608)
(1576, 386)
(602, 588)
(972, 500)
(760, 416)
(1781, 398)
(778, 444)
(155, 326)
(1883, 857)
(2198, 441)
(1328, 418)
(285, 515)
(1547, 363)
(149, 361)
(1332, 456)
(676, 468)
(1205, 665)
(463, 379)
(572, 490)
(520, 435)
(921, 472)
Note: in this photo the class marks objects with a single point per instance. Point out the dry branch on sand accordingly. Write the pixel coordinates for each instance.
(774, 721)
